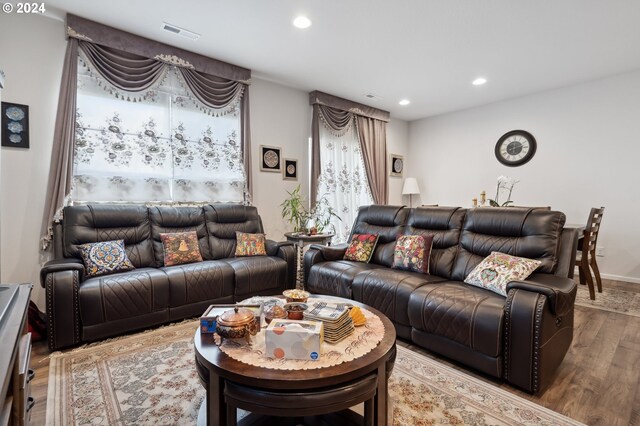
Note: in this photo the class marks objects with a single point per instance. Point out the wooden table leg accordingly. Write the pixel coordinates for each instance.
(216, 407)
(380, 400)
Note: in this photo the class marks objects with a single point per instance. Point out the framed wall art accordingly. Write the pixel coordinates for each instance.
(396, 164)
(270, 158)
(15, 125)
(290, 169)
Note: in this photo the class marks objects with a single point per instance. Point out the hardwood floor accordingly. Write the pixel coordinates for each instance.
(597, 383)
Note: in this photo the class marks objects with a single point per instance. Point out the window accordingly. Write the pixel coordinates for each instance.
(162, 145)
(343, 180)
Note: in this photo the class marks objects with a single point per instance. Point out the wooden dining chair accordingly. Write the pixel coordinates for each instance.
(586, 256)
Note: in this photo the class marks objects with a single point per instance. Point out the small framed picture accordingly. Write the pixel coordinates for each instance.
(396, 164)
(290, 169)
(15, 125)
(270, 158)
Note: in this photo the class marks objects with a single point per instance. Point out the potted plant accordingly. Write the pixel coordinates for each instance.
(305, 220)
(506, 183)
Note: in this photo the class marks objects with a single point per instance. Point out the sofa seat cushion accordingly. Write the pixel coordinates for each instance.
(335, 278)
(123, 295)
(469, 315)
(199, 282)
(388, 290)
(258, 274)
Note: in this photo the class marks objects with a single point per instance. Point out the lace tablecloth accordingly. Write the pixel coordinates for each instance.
(361, 342)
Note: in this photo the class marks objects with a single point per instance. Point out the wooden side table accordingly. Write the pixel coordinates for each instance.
(300, 241)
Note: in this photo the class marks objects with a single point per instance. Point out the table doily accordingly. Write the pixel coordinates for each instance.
(363, 340)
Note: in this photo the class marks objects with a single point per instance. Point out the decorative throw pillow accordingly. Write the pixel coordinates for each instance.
(412, 253)
(499, 269)
(106, 257)
(250, 244)
(180, 248)
(361, 247)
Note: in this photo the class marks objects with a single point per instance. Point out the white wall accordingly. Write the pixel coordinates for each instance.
(588, 152)
(280, 116)
(32, 51)
(398, 143)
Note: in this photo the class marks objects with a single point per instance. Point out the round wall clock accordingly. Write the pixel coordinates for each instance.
(515, 148)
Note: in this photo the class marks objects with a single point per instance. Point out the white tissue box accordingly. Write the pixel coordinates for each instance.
(291, 339)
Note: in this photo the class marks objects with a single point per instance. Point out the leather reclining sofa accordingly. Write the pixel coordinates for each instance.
(80, 309)
(521, 338)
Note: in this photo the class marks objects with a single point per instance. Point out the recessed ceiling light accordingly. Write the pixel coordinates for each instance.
(404, 102)
(302, 22)
(479, 81)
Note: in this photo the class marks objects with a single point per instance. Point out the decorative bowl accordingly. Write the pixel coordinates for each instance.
(294, 295)
(274, 312)
(236, 323)
(295, 310)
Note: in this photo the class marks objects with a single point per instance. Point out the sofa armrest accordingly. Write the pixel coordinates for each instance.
(61, 279)
(285, 250)
(59, 265)
(560, 291)
(318, 253)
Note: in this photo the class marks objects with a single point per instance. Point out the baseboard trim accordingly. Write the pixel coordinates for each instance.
(613, 277)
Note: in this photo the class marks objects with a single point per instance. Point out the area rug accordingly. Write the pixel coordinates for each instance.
(611, 299)
(149, 379)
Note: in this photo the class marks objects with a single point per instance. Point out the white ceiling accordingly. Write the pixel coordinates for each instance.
(427, 51)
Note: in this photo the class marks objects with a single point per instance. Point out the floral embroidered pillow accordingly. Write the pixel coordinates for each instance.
(250, 244)
(499, 269)
(412, 253)
(106, 257)
(180, 248)
(361, 247)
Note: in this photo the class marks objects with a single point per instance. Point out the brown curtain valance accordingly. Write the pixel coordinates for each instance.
(84, 29)
(320, 98)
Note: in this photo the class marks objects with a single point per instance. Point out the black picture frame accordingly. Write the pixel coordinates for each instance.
(15, 125)
(270, 158)
(396, 165)
(290, 169)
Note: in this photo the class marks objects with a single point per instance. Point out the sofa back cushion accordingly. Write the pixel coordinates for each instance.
(94, 223)
(223, 220)
(168, 220)
(445, 224)
(388, 222)
(530, 233)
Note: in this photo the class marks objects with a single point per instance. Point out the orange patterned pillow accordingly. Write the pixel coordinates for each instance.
(361, 247)
(180, 247)
(250, 244)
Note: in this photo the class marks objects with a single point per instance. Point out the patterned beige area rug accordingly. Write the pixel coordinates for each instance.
(149, 379)
(611, 299)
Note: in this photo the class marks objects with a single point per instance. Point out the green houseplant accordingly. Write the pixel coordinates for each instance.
(294, 211)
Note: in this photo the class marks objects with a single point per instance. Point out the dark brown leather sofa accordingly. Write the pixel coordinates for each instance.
(80, 309)
(521, 338)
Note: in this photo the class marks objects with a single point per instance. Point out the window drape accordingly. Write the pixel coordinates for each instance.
(133, 65)
(336, 114)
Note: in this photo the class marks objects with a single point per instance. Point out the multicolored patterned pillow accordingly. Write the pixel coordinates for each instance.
(412, 253)
(106, 257)
(180, 248)
(499, 269)
(250, 244)
(361, 247)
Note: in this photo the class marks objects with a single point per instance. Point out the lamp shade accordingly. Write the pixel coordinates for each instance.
(410, 186)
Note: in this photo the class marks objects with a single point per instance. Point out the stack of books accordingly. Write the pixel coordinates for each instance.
(335, 317)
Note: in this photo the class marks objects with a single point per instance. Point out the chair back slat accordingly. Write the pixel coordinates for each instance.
(591, 231)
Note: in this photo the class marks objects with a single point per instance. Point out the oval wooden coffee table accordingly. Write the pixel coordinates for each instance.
(295, 393)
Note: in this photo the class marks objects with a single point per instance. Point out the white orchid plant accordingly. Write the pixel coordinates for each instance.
(505, 183)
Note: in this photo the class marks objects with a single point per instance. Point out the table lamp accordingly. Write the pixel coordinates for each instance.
(410, 188)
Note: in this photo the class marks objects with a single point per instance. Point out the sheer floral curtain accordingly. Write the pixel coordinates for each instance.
(342, 180)
(165, 147)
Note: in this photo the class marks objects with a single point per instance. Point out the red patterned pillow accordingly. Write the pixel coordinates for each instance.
(180, 247)
(361, 247)
(250, 244)
(412, 253)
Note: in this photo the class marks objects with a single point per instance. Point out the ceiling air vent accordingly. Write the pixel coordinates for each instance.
(181, 31)
(372, 97)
